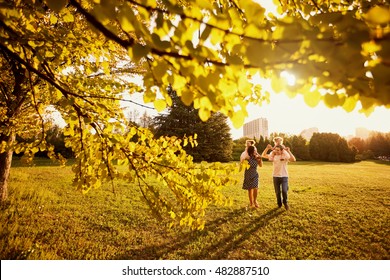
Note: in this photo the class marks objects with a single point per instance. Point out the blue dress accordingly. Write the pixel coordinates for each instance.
(251, 177)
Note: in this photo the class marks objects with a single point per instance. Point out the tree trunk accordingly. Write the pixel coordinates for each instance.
(5, 167)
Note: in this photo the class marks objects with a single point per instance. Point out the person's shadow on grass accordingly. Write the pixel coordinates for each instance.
(219, 249)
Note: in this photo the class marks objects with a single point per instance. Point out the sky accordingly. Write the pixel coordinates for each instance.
(292, 116)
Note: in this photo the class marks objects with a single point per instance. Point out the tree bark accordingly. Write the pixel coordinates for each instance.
(5, 167)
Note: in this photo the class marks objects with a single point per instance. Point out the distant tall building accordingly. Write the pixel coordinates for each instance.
(362, 132)
(256, 128)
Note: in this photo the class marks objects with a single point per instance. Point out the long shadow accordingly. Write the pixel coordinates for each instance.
(222, 247)
(153, 252)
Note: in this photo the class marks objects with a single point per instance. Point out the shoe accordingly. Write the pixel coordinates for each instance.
(286, 206)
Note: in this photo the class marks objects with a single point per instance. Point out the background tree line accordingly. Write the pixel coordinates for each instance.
(329, 147)
(215, 142)
(377, 145)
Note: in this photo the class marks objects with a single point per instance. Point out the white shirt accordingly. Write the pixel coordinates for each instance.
(280, 164)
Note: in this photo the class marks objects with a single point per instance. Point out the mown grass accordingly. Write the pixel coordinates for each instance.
(338, 211)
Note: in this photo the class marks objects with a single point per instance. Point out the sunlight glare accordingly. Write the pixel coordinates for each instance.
(289, 77)
(269, 6)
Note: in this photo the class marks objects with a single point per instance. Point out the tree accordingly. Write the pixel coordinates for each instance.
(300, 147)
(68, 53)
(40, 69)
(346, 153)
(214, 142)
(331, 147)
(238, 147)
(146, 120)
(379, 144)
(55, 137)
(358, 143)
(376, 145)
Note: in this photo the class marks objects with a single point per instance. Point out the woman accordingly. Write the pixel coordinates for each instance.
(280, 156)
(251, 177)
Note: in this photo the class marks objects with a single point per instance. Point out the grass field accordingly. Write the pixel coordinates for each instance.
(338, 211)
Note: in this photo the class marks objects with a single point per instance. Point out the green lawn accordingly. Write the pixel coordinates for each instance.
(338, 211)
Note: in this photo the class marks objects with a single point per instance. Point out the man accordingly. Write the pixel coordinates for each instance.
(280, 156)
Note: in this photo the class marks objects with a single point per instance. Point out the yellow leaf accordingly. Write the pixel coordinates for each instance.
(106, 67)
(206, 103)
(378, 15)
(278, 84)
(172, 214)
(350, 103)
(204, 114)
(238, 119)
(370, 47)
(68, 18)
(49, 54)
(312, 98)
(179, 82)
(32, 44)
(160, 105)
(53, 19)
(244, 85)
(368, 105)
(149, 96)
(58, 94)
(187, 97)
(331, 100)
(125, 23)
(216, 36)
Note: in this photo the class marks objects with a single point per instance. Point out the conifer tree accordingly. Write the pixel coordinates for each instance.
(214, 142)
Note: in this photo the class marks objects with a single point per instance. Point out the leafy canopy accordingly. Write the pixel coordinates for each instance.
(338, 51)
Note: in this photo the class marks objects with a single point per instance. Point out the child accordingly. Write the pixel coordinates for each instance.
(244, 154)
(278, 141)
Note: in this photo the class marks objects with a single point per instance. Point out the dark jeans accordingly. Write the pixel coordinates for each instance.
(281, 182)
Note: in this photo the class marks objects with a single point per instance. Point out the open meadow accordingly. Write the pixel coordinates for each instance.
(338, 211)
